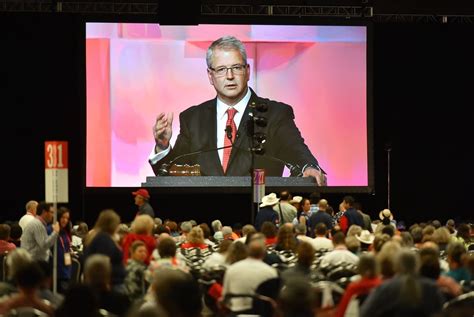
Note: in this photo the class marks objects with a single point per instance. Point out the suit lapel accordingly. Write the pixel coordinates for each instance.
(215, 163)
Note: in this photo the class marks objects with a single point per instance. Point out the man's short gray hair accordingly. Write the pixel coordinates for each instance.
(226, 43)
(158, 221)
(226, 230)
(186, 226)
(31, 204)
(300, 228)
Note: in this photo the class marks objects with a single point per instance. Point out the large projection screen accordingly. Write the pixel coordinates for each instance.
(135, 71)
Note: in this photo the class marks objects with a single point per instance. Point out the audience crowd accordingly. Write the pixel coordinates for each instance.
(300, 257)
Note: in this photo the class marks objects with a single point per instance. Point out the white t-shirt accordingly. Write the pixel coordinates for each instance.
(323, 243)
(339, 255)
(25, 220)
(243, 277)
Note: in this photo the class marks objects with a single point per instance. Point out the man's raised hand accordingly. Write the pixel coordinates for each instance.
(162, 130)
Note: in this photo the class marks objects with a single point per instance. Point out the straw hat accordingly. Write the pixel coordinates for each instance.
(386, 213)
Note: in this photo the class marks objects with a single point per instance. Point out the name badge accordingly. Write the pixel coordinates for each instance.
(67, 259)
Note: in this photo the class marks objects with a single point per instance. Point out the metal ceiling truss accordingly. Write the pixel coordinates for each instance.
(151, 8)
(417, 18)
(285, 10)
(80, 7)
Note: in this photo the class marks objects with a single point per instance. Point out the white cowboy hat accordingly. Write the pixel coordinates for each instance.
(365, 237)
(386, 213)
(296, 199)
(269, 200)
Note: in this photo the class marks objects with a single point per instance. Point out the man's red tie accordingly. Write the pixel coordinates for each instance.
(230, 122)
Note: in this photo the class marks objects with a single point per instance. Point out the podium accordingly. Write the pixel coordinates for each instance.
(227, 184)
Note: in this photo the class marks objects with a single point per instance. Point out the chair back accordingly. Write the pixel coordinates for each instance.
(269, 289)
(76, 270)
(464, 300)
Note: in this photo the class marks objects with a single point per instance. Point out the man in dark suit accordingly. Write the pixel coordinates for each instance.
(205, 126)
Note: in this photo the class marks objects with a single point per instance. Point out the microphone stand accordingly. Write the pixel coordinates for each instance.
(250, 130)
(388, 148)
(255, 207)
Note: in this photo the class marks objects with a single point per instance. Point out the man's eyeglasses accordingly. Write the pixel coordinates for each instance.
(238, 69)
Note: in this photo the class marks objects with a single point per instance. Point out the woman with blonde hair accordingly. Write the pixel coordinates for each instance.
(442, 238)
(386, 258)
(237, 251)
(100, 240)
(353, 231)
(141, 229)
(195, 239)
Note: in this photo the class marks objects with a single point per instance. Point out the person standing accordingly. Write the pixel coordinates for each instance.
(203, 126)
(64, 254)
(142, 200)
(350, 216)
(30, 213)
(285, 210)
(35, 238)
(266, 212)
(102, 240)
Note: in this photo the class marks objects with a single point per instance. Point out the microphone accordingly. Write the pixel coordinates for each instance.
(228, 132)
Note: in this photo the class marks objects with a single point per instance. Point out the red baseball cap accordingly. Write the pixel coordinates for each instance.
(142, 192)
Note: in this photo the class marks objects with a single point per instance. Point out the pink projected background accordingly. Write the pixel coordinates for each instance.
(136, 71)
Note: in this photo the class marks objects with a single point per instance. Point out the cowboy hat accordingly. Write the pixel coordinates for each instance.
(269, 200)
(365, 237)
(386, 213)
(296, 199)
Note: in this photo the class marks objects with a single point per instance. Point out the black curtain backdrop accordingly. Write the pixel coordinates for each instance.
(422, 100)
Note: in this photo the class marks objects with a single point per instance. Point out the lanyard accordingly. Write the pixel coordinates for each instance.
(62, 243)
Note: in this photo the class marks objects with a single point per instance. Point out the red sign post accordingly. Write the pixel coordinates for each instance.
(56, 185)
(56, 171)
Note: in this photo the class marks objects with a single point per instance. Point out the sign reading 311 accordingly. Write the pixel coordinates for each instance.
(56, 171)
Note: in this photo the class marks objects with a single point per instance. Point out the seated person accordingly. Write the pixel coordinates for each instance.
(28, 279)
(98, 274)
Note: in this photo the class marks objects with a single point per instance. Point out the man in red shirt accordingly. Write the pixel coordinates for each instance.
(350, 216)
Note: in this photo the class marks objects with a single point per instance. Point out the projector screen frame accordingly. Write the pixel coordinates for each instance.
(308, 21)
